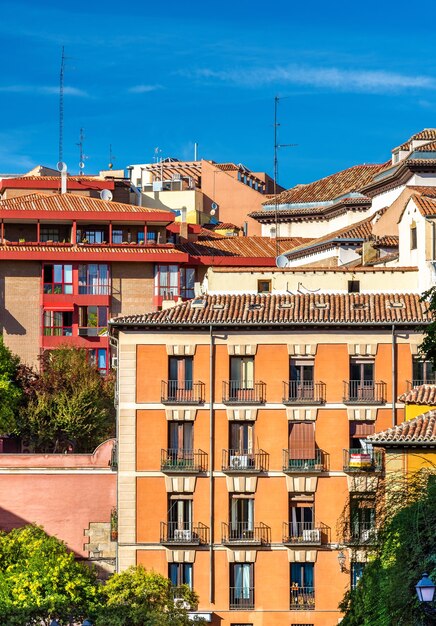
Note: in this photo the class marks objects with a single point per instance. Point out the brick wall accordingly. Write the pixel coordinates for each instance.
(132, 288)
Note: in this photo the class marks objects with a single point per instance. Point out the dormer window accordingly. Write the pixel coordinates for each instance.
(395, 156)
(413, 236)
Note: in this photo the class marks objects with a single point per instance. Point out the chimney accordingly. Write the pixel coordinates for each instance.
(183, 235)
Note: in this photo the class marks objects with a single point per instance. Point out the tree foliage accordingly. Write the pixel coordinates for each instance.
(137, 597)
(40, 580)
(385, 595)
(68, 405)
(10, 392)
(427, 348)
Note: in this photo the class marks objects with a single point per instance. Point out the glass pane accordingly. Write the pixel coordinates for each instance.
(48, 273)
(102, 316)
(368, 372)
(102, 359)
(68, 273)
(57, 273)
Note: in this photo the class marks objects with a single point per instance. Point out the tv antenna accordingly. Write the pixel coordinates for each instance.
(111, 157)
(277, 145)
(61, 107)
(82, 156)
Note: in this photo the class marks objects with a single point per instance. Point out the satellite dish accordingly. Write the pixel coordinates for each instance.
(213, 206)
(106, 194)
(212, 212)
(61, 166)
(81, 165)
(282, 260)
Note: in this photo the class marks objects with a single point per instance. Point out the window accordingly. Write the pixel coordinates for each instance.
(301, 384)
(263, 286)
(361, 380)
(117, 236)
(423, 372)
(354, 286)
(241, 438)
(180, 383)
(94, 279)
(180, 574)
(166, 280)
(180, 437)
(92, 321)
(49, 234)
(302, 595)
(241, 586)
(241, 517)
(187, 282)
(140, 236)
(58, 323)
(302, 449)
(180, 518)
(98, 357)
(301, 518)
(356, 573)
(151, 236)
(362, 518)
(413, 236)
(58, 279)
(242, 377)
(359, 431)
(91, 235)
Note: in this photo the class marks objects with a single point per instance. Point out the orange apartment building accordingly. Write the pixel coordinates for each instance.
(243, 469)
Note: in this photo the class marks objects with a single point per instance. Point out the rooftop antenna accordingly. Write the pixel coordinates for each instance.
(111, 157)
(276, 166)
(82, 156)
(61, 107)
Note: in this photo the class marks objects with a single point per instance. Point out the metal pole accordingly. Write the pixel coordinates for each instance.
(211, 467)
(394, 378)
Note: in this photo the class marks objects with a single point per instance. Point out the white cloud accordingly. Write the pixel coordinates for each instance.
(375, 81)
(43, 90)
(144, 88)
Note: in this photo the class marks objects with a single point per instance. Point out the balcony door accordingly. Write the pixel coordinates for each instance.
(180, 518)
(361, 380)
(241, 439)
(362, 518)
(302, 443)
(180, 382)
(241, 585)
(242, 378)
(241, 517)
(301, 516)
(180, 440)
(301, 379)
(180, 574)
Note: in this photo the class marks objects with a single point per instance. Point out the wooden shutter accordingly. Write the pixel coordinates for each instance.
(302, 441)
(362, 429)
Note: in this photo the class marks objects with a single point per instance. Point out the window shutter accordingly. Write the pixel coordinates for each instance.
(302, 441)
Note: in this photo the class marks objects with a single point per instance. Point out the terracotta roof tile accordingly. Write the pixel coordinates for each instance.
(227, 167)
(426, 205)
(427, 147)
(427, 133)
(330, 187)
(240, 246)
(422, 394)
(360, 203)
(289, 309)
(70, 202)
(419, 431)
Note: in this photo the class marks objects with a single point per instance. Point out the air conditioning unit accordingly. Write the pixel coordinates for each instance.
(182, 535)
(181, 603)
(158, 185)
(239, 462)
(312, 535)
(177, 177)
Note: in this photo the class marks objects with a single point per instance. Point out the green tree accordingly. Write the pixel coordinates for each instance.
(68, 404)
(137, 597)
(10, 392)
(385, 595)
(40, 580)
(427, 348)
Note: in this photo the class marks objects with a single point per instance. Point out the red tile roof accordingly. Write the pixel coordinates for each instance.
(421, 431)
(227, 167)
(71, 202)
(330, 187)
(295, 309)
(427, 147)
(240, 246)
(426, 205)
(422, 394)
(427, 133)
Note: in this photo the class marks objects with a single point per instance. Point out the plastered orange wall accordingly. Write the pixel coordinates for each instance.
(152, 368)
(152, 508)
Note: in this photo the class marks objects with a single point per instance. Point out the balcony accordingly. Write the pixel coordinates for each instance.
(93, 331)
(244, 534)
(183, 533)
(307, 461)
(412, 384)
(362, 534)
(244, 461)
(364, 392)
(303, 392)
(361, 460)
(302, 598)
(304, 534)
(181, 600)
(241, 598)
(244, 392)
(177, 392)
(176, 461)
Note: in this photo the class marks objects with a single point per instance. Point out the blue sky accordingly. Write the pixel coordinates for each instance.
(356, 79)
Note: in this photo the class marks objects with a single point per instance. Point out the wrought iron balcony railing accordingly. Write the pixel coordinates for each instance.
(180, 596)
(183, 461)
(362, 533)
(361, 460)
(302, 461)
(364, 392)
(244, 392)
(304, 533)
(303, 392)
(411, 384)
(241, 598)
(183, 533)
(245, 533)
(245, 461)
(179, 392)
(302, 598)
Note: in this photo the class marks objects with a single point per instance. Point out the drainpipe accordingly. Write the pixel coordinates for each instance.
(211, 467)
(114, 343)
(394, 378)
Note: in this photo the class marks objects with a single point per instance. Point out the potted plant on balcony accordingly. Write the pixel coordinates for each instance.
(114, 524)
